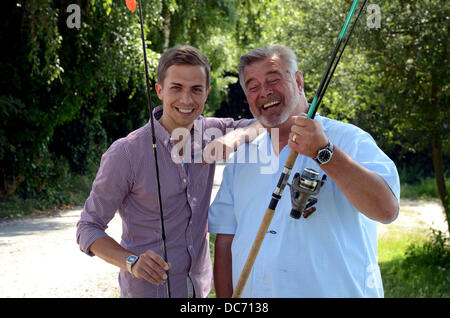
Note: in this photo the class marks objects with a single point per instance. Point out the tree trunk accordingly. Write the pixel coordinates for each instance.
(166, 25)
(440, 179)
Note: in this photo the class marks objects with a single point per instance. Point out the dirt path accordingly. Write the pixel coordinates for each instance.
(419, 215)
(39, 256)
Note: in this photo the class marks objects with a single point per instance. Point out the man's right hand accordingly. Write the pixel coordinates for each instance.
(151, 267)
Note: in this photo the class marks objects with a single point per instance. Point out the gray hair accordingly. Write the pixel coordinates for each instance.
(259, 54)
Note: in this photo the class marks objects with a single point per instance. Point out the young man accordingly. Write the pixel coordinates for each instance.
(331, 253)
(126, 182)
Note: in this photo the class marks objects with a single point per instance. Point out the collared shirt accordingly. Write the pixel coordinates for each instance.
(126, 182)
(332, 253)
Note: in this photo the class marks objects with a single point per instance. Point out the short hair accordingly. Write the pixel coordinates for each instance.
(182, 54)
(259, 54)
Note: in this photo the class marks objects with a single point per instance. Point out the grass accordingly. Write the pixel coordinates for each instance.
(212, 239)
(424, 190)
(415, 265)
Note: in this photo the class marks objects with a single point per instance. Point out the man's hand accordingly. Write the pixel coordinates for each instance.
(310, 137)
(151, 267)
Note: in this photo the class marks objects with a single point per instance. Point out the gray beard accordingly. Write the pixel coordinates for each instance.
(286, 113)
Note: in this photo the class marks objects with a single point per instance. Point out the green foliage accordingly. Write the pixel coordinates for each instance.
(63, 189)
(389, 82)
(421, 270)
(413, 46)
(435, 251)
(407, 54)
(212, 240)
(425, 189)
(68, 93)
(57, 75)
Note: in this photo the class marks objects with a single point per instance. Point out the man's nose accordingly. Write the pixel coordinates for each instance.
(186, 98)
(266, 90)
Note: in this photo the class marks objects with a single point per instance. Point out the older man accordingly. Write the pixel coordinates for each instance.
(333, 252)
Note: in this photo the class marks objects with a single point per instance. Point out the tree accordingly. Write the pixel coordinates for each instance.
(392, 80)
(409, 54)
(66, 93)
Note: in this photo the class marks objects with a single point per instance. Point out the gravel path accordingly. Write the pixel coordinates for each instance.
(39, 256)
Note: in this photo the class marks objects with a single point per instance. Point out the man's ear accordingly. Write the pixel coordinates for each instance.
(159, 88)
(299, 79)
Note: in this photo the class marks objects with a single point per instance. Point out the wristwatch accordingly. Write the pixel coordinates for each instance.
(131, 260)
(324, 155)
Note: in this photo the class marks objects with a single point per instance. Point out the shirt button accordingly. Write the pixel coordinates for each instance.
(190, 247)
(184, 180)
(190, 222)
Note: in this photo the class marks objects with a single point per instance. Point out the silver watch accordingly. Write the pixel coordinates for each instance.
(131, 260)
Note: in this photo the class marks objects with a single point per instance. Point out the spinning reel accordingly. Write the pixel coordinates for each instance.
(302, 188)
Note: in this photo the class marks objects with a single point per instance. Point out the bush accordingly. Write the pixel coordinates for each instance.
(435, 252)
(423, 271)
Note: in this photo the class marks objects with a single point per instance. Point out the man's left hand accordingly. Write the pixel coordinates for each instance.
(310, 137)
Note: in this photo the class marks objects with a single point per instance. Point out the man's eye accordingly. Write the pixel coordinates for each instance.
(197, 90)
(253, 88)
(274, 81)
(175, 88)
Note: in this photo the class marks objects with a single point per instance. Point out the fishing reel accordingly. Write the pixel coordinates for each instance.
(302, 188)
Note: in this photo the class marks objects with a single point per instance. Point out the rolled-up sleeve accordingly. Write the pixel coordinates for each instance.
(364, 149)
(110, 187)
(224, 124)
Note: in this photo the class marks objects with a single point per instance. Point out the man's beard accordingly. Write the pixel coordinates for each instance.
(285, 114)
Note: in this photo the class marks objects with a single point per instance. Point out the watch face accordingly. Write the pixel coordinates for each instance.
(324, 155)
(132, 258)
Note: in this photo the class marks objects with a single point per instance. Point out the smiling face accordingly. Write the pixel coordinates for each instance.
(183, 93)
(272, 92)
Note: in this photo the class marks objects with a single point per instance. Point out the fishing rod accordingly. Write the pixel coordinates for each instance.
(276, 195)
(132, 5)
(339, 57)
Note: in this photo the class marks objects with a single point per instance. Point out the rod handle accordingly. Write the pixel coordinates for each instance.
(290, 161)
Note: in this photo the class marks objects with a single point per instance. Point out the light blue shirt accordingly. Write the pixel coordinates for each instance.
(332, 253)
